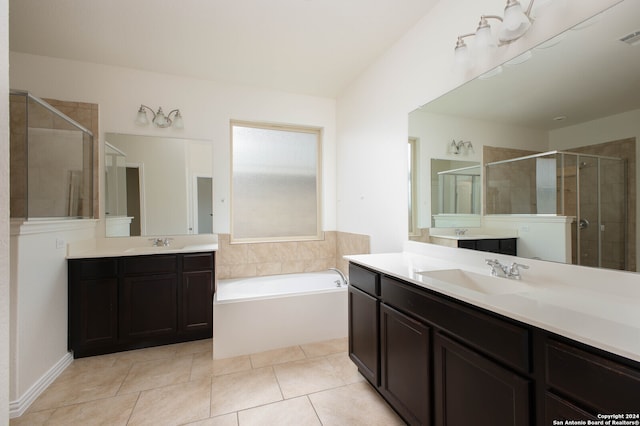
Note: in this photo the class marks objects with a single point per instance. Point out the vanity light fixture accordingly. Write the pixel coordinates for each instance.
(460, 147)
(159, 118)
(515, 24)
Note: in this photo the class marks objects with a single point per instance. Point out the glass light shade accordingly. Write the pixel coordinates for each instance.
(461, 56)
(160, 120)
(515, 23)
(484, 38)
(141, 118)
(177, 121)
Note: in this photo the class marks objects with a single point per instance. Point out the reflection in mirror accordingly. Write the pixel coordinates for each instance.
(539, 106)
(157, 186)
(455, 193)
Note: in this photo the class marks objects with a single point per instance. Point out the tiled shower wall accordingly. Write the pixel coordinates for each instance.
(258, 259)
(84, 113)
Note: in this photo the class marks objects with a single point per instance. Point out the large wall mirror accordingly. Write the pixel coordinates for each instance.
(563, 110)
(157, 186)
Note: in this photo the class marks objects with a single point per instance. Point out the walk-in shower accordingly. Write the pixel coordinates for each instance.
(51, 168)
(590, 188)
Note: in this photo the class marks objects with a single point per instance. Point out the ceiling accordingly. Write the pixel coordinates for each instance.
(583, 74)
(314, 47)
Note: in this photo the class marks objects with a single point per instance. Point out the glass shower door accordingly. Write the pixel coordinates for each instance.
(613, 214)
(601, 215)
(588, 216)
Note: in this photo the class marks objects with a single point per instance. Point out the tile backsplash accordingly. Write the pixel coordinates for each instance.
(272, 258)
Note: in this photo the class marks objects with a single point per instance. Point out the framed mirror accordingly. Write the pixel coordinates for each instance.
(157, 186)
(578, 92)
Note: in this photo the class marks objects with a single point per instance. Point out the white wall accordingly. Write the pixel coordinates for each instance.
(39, 303)
(372, 112)
(4, 216)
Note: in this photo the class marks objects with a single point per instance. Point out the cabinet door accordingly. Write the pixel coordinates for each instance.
(404, 359)
(94, 313)
(592, 381)
(473, 390)
(363, 334)
(148, 306)
(197, 304)
(559, 409)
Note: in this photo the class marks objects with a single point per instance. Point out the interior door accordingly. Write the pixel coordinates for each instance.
(205, 204)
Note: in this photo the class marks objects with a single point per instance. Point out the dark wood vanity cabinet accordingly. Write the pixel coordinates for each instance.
(583, 382)
(196, 294)
(472, 389)
(122, 303)
(508, 246)
(148, 297)
(93, 302)
(405, 347)
(445, 362)
(364, 326)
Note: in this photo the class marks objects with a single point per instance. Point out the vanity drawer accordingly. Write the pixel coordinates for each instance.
(91, 269)
(496, 337)
(364, 279)
(591, 380)
(153, 264)
(197, 262)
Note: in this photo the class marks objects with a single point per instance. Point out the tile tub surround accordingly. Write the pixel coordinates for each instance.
(258, 259)
(181, 384)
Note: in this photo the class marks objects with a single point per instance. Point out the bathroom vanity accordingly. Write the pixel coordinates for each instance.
(499, 245)
(130, 301)
(446, 353)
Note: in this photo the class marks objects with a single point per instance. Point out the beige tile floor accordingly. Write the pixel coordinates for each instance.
(315, 384)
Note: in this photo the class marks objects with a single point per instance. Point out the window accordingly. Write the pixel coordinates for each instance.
(413, 187)
(275, 182)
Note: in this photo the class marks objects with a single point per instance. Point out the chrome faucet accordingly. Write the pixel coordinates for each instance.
(344, 281)
(160, 242)
(505, 271)
(459, 232)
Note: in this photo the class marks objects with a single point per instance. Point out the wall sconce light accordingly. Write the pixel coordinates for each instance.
(460, 147)
(159, 118)
(515, 24)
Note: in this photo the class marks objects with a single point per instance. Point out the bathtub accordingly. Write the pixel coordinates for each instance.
(257, 314)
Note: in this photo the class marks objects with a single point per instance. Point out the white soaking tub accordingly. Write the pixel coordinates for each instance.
(257, 314)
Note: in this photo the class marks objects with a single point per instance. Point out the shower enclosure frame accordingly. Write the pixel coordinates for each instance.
(561, 168)
(87, 186)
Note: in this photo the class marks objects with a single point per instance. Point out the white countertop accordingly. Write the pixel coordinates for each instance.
(140, 246)
(605, 317)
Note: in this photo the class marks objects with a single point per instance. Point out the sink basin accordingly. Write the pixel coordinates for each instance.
(476, 282)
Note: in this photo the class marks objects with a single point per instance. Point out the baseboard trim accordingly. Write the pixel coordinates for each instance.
(19, 406)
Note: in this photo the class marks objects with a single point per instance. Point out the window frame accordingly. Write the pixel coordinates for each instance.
(318, 131)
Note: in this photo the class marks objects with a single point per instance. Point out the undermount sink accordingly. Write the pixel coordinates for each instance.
(481, 283)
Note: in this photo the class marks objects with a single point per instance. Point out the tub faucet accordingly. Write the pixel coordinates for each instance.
(344, 281)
